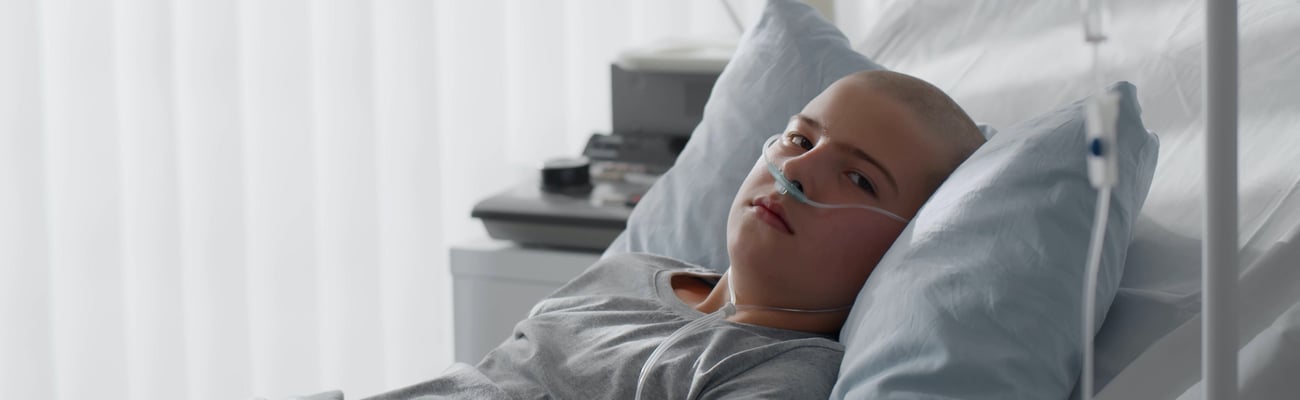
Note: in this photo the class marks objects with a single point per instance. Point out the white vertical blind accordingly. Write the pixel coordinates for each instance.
(210, 154)
(415, 338)
(282, 264)
(150, 193)
(226, 199)
(351, 348)
(26, 311)
(83, 188)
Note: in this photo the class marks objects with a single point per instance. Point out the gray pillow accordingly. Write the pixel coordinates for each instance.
(981, 295)
(789, 57)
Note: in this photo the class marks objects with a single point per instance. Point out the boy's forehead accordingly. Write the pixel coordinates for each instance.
(845, 108)
(861, 116)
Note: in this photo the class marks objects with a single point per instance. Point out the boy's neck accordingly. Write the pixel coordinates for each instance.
(698, 294)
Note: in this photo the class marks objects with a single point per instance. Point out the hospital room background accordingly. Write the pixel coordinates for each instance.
(237, 199)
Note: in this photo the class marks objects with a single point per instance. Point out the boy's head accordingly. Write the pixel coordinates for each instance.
(886, 138)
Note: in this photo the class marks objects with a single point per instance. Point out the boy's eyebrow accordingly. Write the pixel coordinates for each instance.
(804, 119)
(863, 155)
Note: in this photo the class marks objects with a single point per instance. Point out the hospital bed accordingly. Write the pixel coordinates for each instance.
(1007, 60)
(1002, 66)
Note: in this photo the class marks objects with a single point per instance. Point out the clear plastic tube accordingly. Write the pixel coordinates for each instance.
(731, 294)
(1094, 19)
(786, 187)
(728, 309)
(1090, 289)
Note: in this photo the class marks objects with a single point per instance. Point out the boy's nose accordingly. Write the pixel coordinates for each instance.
(806, 170)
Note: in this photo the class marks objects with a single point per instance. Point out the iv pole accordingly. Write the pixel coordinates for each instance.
(1219, 270)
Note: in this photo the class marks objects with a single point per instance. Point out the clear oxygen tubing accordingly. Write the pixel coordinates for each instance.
(786, 187)
(1093, 29)
(727, 310)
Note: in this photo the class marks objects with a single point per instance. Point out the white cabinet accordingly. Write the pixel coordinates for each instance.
(496, 283)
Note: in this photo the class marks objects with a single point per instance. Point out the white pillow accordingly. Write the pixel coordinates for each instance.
(980, 296)
(781, 63)
(789, 57)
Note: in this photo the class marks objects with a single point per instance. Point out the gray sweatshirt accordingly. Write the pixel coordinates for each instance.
(590, 338)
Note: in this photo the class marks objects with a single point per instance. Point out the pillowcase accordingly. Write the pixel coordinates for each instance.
(980, 297)
(780, 64)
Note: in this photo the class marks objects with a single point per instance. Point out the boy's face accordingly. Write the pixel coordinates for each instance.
(790, 254)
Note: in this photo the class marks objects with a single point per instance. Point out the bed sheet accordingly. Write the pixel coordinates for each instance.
(1006, 66)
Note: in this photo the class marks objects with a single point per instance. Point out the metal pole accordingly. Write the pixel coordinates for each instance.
(1220, 272)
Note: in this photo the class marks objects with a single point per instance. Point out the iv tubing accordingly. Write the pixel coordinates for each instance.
(1094, 34)
(1090, 288)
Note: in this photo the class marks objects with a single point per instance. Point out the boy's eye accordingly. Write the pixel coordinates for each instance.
(800, 140)
(862, 182)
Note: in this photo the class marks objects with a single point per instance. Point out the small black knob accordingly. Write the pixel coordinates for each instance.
(566, 175)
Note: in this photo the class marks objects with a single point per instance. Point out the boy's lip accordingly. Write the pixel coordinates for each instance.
(771, 211)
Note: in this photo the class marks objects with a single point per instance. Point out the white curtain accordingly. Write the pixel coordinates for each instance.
(208, 199)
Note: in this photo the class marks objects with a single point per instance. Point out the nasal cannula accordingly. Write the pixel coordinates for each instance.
(786, 187)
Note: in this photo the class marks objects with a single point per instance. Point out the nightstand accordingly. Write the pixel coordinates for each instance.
(496, 283)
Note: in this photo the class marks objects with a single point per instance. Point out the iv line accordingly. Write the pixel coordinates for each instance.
(1100, 113)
